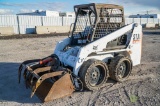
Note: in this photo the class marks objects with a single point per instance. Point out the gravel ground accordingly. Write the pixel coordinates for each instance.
(142, 87)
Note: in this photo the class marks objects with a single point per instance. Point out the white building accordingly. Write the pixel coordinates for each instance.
(42, 13)
(145, 16)
(52, 13)
(67, 14)
(70, 14)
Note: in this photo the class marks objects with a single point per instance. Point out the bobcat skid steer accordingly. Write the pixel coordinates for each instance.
(100, 46)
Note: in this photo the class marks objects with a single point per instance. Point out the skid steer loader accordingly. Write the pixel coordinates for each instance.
(100, 46)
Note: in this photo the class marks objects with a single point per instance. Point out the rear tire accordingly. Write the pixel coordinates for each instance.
(120, 68)
(93, 74)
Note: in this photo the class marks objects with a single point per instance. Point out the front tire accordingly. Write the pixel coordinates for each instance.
(93, 74)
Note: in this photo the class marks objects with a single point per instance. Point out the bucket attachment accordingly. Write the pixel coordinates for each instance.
(47, 91)
(46, 82)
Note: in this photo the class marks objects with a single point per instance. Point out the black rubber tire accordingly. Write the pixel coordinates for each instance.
(115, 65)
(86, 74)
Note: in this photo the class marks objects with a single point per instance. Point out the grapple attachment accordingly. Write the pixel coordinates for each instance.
(46, 82)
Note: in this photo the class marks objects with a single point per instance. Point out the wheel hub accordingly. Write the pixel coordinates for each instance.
(122, 70)
(94, 76)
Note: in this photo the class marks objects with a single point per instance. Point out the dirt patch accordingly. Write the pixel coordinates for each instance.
(142, 87)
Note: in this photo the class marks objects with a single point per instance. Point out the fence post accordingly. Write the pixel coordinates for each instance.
(42, 20)
(62, 20)
(133, 20)
(18, 24)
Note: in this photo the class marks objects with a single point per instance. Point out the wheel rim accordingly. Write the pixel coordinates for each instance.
(122, 69)
(94, 76)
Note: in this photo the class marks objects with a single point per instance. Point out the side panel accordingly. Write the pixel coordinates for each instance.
(136, 45)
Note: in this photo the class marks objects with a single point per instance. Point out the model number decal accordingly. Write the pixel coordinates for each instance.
(136, 38)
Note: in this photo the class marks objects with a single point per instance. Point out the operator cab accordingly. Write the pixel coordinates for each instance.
(93, 21)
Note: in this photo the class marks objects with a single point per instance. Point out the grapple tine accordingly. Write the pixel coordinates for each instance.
(27, 79)
(25, 73)
(32, 81)
(25, 70)
(26, 82)
(19, 73)
(44, 69)
(37, 71)
(33, 92)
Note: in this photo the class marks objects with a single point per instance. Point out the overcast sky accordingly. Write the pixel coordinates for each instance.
(130, 6)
